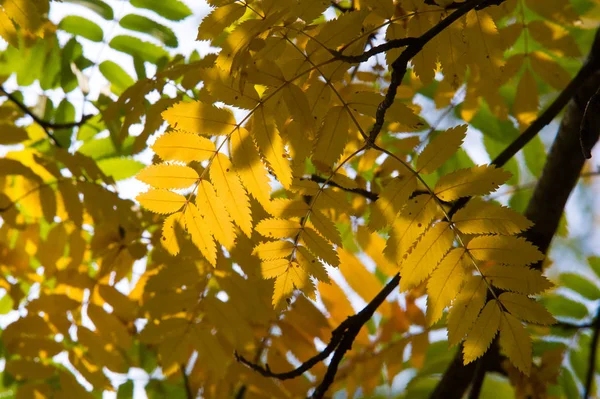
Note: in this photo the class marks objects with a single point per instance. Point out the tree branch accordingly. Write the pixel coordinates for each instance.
(47, 126)
(186, 383)
(559, 176)
(592, 360)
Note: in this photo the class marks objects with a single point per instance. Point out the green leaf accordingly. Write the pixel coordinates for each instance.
(105, 148)
(136, 47)
(580, 355)
(156, 389)
(174, 10)
(97, 6)
(65, 113)
(6, 304)
(142, 24)
(568, 383)
(118, 78)
(496, 386)
(83, 27)
(120, 168)
(564, 307)
(581, 285)
(594, 262)
(125, 390)
(535, 155)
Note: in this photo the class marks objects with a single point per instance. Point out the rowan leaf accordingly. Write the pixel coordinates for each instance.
(246, 160)
(197, 117)
(215, 214)
(480, 217)
(506, 250)
(278, 228)
(325, 227)
(549, 70)
(526, 103)
(445, 283)
(169, 237)
(168, 176)
(184, 147)
(332, 137)
(483, 332)
(479, 180)
(516, 342)
(200, 232)
(319, 246)
(391, 200)
(525, 308)
(231, 192)
(440, 149)
(426, 255)
(272, 250)
(294, 277)
(161, 201)
(220, 18)
(519, 279)
(466, 308)
(271, 146)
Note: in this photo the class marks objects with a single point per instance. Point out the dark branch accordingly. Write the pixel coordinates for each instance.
(400, 65)
(382, 48)
(47, 126)
(589, 379)
(360, 191)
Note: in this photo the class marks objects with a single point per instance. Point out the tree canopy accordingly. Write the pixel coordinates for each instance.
(351, 198)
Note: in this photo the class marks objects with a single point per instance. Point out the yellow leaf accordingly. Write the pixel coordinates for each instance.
(516, 342)
(200, 232)
(231, 192)
(197, 117)
(287, 208)
(465, 308)
(392, 199)
(506, 250)
(220, 18)
(299, 108)
(412, 222)
(311, 264)
(452, 49)
(383, 8)
(271, 146)
(554, 38)
(445, 283)
(479, 180)
(326, 227)
(525, 107)
(440, 149)
(184, 146)
(518, 279)
(168, 176)
(293, 277)
(425, 61)
(319, 246)
(278, 228)
(161, 201)
(26, 13)
(169, 237)
(526, 309)
(403, 118)
(483, 332)
(480, 217)
(374, 245)
(363, 282)
(272, 250)
(274, 268)
(8, 30)
(215, 214)
(549, 70)
(426, 255)
(331, 138)
(246, 159)
(484, 50)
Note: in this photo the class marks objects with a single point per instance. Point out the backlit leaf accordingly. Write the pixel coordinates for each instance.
(161, 201)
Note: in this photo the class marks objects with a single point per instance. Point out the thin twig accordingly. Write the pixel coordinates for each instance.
(47, 126)
(592, 360)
